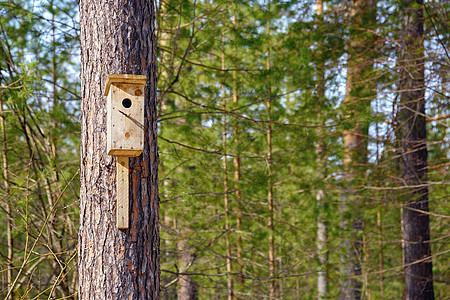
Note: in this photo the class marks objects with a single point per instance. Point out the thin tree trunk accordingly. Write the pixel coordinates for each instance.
(186, 286)
(117, 37)
(237, 174)
(322, 278)
(237, 179)
(365, 263)
(412, 121)
(360, 90)
(10, 257)
(270, 201)
(226, 200)
(322, 229)
(270, 207)
(380, 254)
(379, 215)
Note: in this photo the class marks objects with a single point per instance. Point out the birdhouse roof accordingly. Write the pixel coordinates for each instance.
(124, 79)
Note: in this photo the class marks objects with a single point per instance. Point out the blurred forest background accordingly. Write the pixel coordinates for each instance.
(282, 146)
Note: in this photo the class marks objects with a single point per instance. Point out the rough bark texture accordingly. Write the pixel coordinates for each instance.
(117, 37)
(416, 221)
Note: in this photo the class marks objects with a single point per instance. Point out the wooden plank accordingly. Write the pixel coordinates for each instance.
(122, 152)
(124, 79)
(123, 185)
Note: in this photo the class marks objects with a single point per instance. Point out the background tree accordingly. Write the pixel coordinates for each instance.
(360, 91)
(414, 156)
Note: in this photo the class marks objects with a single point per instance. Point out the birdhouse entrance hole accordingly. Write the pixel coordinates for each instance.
(126, 103)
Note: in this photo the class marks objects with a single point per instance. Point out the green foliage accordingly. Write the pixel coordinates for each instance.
(303, 47)
(40, 142)
(220, 64)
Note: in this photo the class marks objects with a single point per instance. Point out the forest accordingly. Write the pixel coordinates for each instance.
(304, 148)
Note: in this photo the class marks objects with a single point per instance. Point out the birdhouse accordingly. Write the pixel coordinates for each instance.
(125, 133)
(125, 114)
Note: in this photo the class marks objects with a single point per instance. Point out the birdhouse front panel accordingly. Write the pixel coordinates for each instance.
(125, 123)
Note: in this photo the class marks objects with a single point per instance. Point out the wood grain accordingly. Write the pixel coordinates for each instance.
(125, 125)
(123, 191)
(124, 79)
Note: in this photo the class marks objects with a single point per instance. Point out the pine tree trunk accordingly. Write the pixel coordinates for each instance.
(380, 254)
(226, 200)
(411, 117)
(237, 171)
(360, 90)
(238, 194)
(8, 211)
(117, 37)
(270, 201)
(186, 285)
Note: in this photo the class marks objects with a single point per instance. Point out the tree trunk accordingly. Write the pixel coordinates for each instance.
(416, 220)
(322, 251)
(322, 228)
(117, 37)
(226, 200)
(380, 254)
(270, 202)
(186, 285)
(360, 90)
(8, 211)
(237, 170)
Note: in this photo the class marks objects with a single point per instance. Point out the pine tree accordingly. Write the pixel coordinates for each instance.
(115, 264)
(413, 141)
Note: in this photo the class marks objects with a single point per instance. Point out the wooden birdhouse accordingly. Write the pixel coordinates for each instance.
(125, 109)
(125, 132)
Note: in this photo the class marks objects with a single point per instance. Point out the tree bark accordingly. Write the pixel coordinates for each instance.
(237, 169)
(186, 285)
(322, 251)
(270, 200)
(412, 122)
(117, 37)
(322, 228)
(226, 200)
(360, 90)
(8, 210)
(238, 192)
